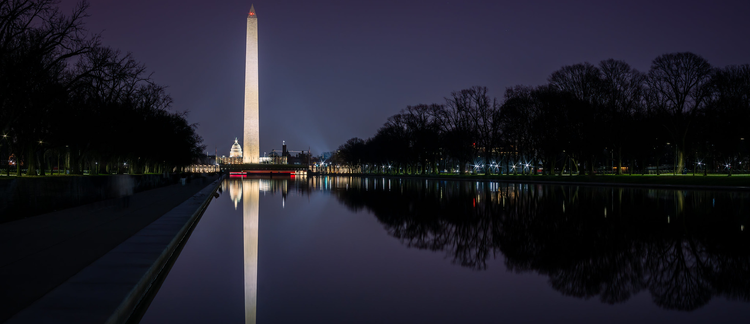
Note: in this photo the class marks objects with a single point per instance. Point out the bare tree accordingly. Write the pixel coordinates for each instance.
(458, 125)
(424, 133)
(516, 116)
(36, 43)
(623, 95)
(678, 86)
(480, 113)
(727, 114)
(583, 81)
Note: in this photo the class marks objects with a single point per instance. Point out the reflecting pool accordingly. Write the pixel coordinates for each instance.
(389, 250)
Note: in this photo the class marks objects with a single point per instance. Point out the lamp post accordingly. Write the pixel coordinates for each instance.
(40, 171)
(6, 160)
(742, 146)
(67, 158)
(674, 161)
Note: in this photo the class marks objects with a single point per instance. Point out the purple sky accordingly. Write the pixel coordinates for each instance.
(332, 70)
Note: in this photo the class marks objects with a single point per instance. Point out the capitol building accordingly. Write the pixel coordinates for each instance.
(283, 156)
(235, 155)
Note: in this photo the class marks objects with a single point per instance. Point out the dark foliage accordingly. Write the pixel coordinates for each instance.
(67, 101)
(682, 115)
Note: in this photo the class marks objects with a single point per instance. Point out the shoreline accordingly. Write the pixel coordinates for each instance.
(697, 182)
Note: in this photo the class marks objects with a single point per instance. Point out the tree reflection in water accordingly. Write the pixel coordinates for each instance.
(684, 247)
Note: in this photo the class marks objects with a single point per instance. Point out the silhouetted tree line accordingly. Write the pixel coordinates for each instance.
(682, 114)
(67, 101)
(683, 247)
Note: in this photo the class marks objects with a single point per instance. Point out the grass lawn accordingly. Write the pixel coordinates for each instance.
(24, 176)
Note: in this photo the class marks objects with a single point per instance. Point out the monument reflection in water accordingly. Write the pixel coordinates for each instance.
(248, 191)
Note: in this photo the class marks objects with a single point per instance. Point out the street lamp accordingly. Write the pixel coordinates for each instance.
(6, 159)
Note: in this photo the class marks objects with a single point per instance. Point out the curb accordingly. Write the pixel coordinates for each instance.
(131, 302)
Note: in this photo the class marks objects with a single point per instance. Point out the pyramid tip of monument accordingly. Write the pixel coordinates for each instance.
(252, 11)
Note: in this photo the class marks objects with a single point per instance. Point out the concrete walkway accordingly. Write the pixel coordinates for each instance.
(43, 252)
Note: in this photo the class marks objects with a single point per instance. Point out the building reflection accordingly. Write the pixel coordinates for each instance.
(235, 191)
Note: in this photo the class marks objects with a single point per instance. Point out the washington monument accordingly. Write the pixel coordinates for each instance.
(251, 138)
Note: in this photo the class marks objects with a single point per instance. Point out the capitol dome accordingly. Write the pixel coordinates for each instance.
(236, 150)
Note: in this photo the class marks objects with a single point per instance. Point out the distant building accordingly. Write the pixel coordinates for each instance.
(206, 160)
(236, 151)
(286, 156)
(302, 158)
(276, 156)
(235, 155)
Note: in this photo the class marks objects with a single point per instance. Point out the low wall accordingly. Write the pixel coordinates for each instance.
(24, 197)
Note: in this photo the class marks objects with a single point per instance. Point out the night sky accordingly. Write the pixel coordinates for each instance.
(332, 70)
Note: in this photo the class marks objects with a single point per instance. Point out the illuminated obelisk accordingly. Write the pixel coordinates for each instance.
(251, 139)
(250, 195)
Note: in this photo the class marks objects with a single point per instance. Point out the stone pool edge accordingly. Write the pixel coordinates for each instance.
(110, 289)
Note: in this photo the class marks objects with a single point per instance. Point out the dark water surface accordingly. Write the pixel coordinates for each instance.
(357, 250)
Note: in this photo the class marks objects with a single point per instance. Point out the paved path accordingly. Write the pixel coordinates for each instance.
(42, 252)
